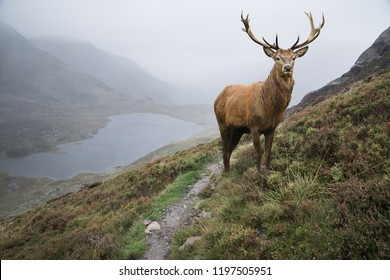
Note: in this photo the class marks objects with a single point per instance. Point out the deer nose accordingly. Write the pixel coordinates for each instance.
(287, 68)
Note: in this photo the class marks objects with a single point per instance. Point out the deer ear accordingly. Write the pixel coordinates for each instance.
(269, 52)
(301, 52)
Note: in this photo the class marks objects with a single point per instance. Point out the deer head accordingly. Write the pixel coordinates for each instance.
(285, 58)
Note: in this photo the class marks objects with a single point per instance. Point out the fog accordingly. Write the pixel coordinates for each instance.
(198, 46)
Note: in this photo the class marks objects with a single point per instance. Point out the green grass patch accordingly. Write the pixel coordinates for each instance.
(135, 241)
(173, 193)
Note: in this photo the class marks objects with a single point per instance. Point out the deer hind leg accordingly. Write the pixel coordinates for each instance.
(226, 158)
(236, 137)
(230, 139)
(226, 139)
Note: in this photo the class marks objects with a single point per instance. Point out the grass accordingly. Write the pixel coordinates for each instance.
(21, 194)
(136, 245)
(173, 193)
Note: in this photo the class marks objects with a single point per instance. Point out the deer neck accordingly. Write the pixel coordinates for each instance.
(277, 88)
(284, 83)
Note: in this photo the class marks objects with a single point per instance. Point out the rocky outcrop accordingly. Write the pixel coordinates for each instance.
(372, 60)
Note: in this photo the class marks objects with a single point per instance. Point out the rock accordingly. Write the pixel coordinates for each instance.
(152, 226)
(147, 222)
(92, 185)
(205, 214)
(189, 242)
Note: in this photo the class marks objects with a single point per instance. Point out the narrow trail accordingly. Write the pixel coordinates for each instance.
(177, 216)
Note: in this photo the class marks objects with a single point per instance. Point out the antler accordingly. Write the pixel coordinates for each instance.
(263, 43)
(315, 32)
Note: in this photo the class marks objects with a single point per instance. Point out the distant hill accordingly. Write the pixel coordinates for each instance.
(29, 76)
(120, 73)
(42, 101)
(372, 60)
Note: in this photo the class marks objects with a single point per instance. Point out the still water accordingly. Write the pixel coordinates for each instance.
(125, 139)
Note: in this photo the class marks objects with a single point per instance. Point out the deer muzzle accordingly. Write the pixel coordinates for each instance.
(287, 68)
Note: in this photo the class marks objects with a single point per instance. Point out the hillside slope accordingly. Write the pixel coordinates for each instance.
(104, 221)
(327, 196)
(372, 60)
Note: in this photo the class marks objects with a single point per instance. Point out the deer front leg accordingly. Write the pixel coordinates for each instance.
(269, 138)
(256, 144)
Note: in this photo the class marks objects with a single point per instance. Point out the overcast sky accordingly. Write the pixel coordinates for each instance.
(199, 43)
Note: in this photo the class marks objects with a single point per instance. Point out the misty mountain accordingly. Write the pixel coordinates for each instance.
(372, 60)
(29, 76)
(45, 101)
(42, 101)
(120, 73)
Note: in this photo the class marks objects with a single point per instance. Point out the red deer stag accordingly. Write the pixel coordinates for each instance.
(258, 108)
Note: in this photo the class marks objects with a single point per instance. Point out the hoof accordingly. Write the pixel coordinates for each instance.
(264, 171)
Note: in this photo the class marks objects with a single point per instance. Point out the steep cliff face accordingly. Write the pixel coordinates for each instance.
(372, 60)
(378, 50)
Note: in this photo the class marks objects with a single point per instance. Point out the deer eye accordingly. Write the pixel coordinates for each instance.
(277, 58)
(294, 58)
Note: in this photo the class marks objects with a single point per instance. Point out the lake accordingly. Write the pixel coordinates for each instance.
(125, 139)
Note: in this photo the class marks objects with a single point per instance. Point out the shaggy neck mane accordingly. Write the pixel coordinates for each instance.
(279, 81)
(276, 90)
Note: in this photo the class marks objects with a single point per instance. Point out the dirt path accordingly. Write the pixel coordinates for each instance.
(176, 216)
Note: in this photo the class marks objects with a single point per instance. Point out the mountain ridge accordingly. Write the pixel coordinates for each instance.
(372, 60)
(43, 103)
(120, 73)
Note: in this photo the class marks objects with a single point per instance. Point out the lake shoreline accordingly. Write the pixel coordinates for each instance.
(39, 190)
(125, 139)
